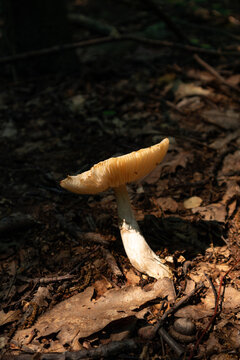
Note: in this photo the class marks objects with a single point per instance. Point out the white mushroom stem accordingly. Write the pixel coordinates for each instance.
(139, 253)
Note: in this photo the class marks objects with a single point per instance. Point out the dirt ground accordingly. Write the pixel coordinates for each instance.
(67, 286)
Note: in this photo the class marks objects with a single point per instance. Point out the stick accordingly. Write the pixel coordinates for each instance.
(110, 350)
(212, 71)
(212, 286)
(177, 348)
(110, 39)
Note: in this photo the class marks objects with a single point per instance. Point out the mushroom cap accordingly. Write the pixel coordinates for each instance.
(117, 171)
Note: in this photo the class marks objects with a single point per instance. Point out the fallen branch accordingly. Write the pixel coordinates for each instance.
(110, 39)
(103, 351)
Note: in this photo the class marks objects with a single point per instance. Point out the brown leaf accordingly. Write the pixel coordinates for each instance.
(184, 90)
(9, 317)
(212, 344)
(200, 75)
(132, 278)
(231, 299)
(231, 164)
(167, 204)
(194, 312)
(81, 316)
(102, 286)
(221, 142)
(233, 80)
(189, 286)
(181, 159)
(228, 119)
(233, 189)
(212, 212)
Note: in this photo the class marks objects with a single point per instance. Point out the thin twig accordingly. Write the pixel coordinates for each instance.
(157, 8)
(109, 39)
(176, 306)
(110, 350)
(189, 48)
(212, 286)
(212, 71)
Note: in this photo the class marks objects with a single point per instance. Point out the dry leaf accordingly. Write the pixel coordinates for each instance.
(194, 312)
(132, 278)
(233, 189)
(9, 317)
(231, 164)
(221, 143)
(181, 159)
(102, 286)
(167, 204)
(233, 80)
(184, 90)
(192, 103)
(192, 202)
(206, 308)
(212, 345)
(231, 298)
(200, 75)
(189, 286)
(232, 208)
(212, 212)
(228, 119)
(81, 316)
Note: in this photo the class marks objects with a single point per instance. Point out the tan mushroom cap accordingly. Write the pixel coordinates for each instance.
(117, 171)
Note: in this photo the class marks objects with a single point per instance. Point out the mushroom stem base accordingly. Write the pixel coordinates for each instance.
(141, 256)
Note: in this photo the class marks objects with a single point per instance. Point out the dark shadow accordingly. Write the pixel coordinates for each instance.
(182, 235)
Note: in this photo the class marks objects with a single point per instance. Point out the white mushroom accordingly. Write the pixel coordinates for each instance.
(116, 173)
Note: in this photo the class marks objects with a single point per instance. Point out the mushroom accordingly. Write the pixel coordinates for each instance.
(116, 173)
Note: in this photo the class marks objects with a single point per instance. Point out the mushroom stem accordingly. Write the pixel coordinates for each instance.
(138, 251)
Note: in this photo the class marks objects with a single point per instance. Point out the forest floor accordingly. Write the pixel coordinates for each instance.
(66, 283)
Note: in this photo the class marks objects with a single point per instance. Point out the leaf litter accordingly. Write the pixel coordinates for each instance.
(81, 316)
